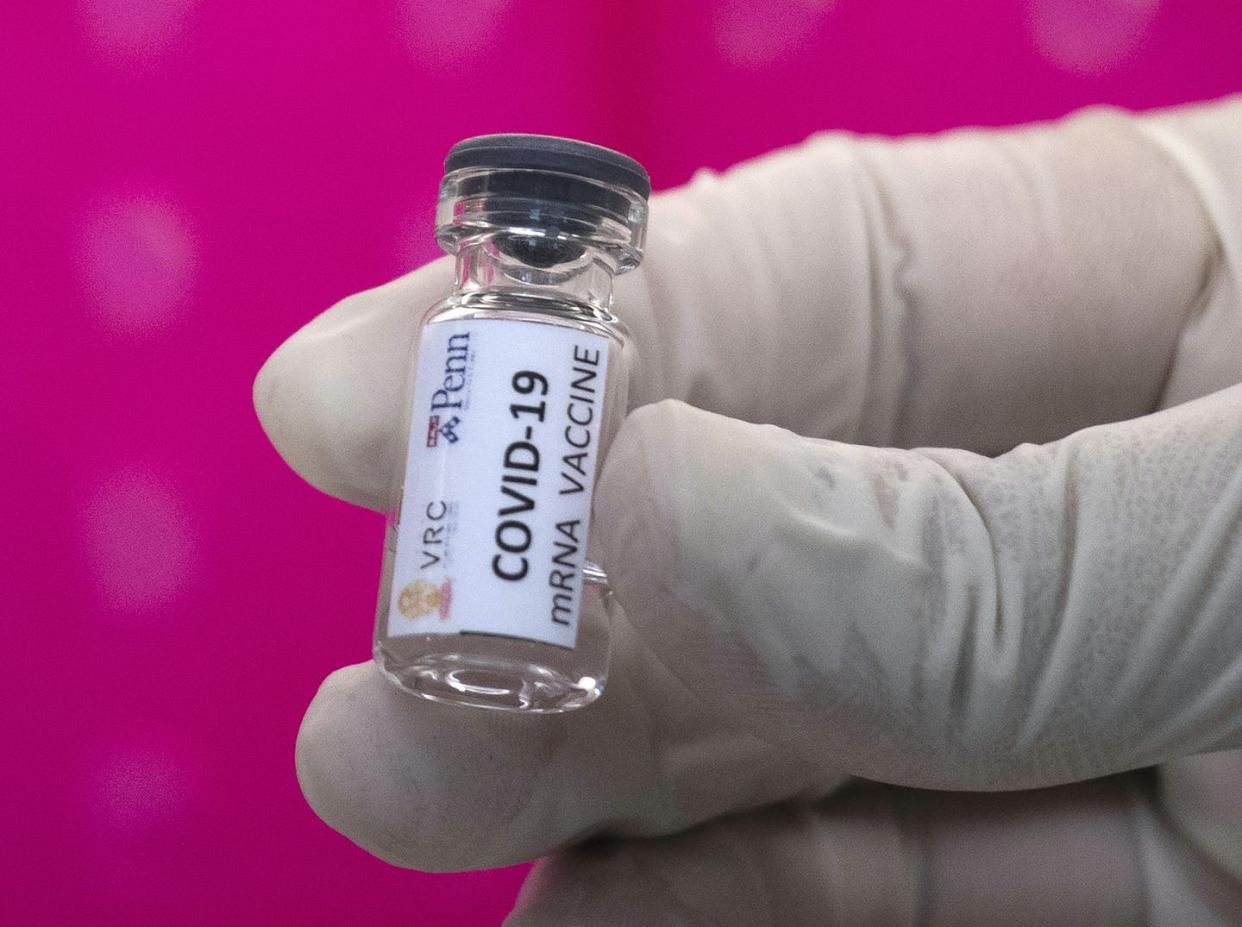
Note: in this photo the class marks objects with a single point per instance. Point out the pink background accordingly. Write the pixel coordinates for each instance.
(182, 184)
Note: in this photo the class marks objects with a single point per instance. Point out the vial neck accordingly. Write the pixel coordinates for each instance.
(501, 265)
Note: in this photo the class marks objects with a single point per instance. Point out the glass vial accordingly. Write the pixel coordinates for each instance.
(489, 594)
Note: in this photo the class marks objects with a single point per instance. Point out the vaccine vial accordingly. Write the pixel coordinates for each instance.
(490, 595)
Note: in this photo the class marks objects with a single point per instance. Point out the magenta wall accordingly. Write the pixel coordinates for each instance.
(184, 183)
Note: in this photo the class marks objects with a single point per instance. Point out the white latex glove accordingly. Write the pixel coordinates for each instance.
(798, 610)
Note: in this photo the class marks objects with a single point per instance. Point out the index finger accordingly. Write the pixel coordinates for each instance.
(976, 290)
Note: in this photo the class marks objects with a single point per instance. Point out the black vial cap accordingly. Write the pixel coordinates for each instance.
(549, 153)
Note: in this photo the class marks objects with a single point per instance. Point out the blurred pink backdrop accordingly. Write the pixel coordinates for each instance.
(182, 184)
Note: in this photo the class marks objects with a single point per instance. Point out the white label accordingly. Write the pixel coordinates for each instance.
(504, 433)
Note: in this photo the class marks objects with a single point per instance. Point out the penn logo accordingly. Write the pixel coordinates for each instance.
(452, 392)
(449, 430)
(457, 354)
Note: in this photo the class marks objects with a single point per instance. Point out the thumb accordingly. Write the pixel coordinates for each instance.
(934, 617)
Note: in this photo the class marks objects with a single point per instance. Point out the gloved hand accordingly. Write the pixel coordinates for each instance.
(797, 611)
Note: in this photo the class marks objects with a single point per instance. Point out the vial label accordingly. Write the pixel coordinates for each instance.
(504, 435)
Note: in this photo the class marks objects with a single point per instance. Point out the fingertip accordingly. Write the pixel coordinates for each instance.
(657, 447)
(343, 774)
(625, 476)
(679, 503)
(428, 786)
(290, 411)
(333, 415)
(330, 397)
(633, 506)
